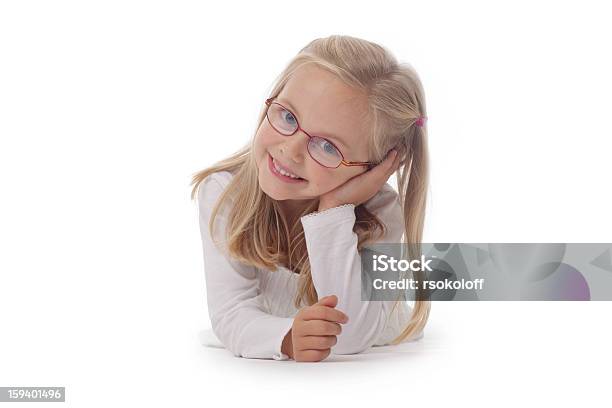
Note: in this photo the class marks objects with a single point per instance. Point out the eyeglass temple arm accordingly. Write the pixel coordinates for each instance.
(356, 163)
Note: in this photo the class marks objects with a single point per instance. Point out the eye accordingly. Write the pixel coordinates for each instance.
(288, 117)
(329, 148)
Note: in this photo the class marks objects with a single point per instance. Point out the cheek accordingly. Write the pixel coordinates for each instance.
(333, 179)
(266, 137)
(263, 140)
(322, 181)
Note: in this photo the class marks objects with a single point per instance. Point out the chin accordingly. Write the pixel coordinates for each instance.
(269, 190)
(272, 194)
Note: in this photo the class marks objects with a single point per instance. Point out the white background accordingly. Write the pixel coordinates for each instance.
(107, 109)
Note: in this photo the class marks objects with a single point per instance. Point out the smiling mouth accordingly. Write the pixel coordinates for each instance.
(278, 170)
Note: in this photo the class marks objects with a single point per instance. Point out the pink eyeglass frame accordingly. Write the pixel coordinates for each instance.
(344, 162)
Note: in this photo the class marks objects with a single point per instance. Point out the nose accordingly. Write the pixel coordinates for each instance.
(294, 147)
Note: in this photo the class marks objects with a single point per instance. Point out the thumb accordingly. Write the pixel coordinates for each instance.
(330, 300)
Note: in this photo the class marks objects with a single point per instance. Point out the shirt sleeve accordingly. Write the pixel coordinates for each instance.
(336, 266)
(232, 288)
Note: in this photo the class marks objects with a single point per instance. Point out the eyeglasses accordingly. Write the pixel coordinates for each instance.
(320, 149)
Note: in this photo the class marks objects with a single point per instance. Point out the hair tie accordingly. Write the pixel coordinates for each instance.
(421, 120)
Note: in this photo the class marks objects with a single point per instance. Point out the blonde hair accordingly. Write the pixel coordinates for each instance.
(396, 100)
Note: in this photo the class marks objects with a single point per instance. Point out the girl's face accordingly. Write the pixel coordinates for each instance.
(325, 107)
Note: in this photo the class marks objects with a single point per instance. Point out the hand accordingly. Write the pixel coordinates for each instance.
(314, 331)
(362, 187)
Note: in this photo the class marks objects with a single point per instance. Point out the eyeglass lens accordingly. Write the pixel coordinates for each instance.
(320, 149)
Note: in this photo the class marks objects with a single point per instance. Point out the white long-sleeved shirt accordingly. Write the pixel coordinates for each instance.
(251, 309)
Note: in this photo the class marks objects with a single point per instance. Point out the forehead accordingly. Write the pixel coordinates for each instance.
(325, 106)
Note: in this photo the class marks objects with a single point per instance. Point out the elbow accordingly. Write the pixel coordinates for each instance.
(222, 327)
(232, 333)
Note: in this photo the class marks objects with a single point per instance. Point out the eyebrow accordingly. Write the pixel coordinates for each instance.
(325, 135)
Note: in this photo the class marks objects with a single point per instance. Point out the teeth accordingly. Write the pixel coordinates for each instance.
(283, 172)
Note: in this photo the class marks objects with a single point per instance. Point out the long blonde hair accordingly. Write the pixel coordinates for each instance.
(257, 233)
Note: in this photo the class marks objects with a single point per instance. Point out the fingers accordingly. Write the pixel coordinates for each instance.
(317, 342)
(319, 312)
(319, 328)
(393, 166)
(331, 301)
(316, 328)
(312, 355)
(390, 159)
(381, 173)
(395, 162)
(314, 348)
(386, 167)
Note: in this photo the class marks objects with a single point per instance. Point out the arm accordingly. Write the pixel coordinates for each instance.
(234, 304)
(336, 266)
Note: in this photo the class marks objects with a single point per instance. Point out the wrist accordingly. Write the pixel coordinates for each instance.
(287, 345)
(326, 205)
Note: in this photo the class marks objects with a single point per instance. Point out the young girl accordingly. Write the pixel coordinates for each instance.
(291, 210)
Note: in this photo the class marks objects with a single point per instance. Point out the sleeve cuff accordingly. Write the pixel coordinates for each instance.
(329, 217)
(285, 327)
